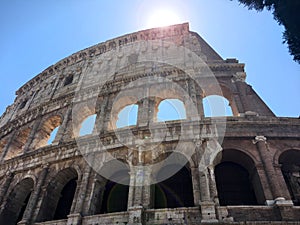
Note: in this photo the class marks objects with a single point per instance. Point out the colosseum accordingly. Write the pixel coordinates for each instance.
(197, 145)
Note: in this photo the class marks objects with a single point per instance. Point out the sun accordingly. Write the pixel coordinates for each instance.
(163, 18)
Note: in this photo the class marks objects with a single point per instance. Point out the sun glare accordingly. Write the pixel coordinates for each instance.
(163, 18)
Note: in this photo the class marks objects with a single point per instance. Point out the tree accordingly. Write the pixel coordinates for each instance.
(286, 13)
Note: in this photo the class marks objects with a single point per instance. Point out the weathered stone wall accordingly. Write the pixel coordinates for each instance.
(76, 87)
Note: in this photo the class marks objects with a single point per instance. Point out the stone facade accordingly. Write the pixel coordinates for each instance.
(237, 169)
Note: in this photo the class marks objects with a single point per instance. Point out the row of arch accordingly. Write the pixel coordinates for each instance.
(236, 179)
(174, 109)
(85, 119)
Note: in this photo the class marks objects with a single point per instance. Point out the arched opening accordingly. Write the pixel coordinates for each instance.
(127, 116)
(59, 196)
(17, 202)
(236, 170)
(111, 195)
(171, 109)
(87, 125)
(47, 132)
(83, 119)
(216, 105)
(97, 194)
(233, 185)
(174, 192)
(52, 136)
(17, 145)
(65, 200)
(115, 197)
(290, 167)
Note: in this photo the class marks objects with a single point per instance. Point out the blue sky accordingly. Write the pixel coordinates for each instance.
(36, 34)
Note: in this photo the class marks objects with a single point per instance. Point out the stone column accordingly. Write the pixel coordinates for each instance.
(264, 182)
(139, 194)
(281, 181)
(106, 112)
(73, 217)
(101, 111)
(31, 206)
(266, 158)
(239, 80)
(212, 184)
(7, 146)
(204, 186)
(54, 88)
(33, 131)
(83, 189)
(146, 111)
(78, 184)
(5, 186)
(196, 98)
(196, 185)
(200, 105)
(65, 130)
(131, 190)
(207, 186)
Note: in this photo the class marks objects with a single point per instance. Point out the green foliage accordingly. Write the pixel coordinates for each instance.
(286, 13)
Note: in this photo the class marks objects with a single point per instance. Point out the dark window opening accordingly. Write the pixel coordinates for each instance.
(23, 208)
(233, 185)
(15, 206)
(68, 80)
(115, 197)
(290, 168)
(65, 202)
(23, 104)
(292, 183)
(174, 192)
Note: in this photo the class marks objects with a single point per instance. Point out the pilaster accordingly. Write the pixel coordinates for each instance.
(5, 186)
(32, 134)
(31, 206)
(207, 187)
(100, 118)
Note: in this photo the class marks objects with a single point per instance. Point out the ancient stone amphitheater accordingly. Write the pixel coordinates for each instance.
(69, 156)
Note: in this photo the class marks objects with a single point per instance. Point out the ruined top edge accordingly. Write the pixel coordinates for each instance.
(143, 35)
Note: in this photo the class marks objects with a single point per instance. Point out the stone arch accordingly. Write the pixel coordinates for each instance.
(17, 202)
(112, 190)
(58, 198)
(127, 116)
(79, 114)
(223, 91)
(177, 156)
(216, 105)
(279, 152)
(165, 91)
(174, 107)
(87, 126)
(45, 130)
(119, 103)
(173, 186)
(290, 168)
(249, 162)
(244, 188)
(16, 146)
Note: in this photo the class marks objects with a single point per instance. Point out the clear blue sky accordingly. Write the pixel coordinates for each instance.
(37, 33)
